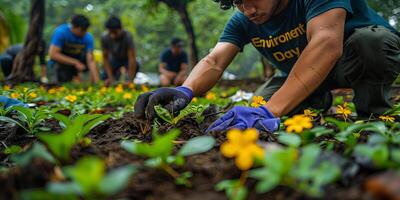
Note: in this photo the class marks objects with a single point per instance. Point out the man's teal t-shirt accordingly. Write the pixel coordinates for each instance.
(283, 37)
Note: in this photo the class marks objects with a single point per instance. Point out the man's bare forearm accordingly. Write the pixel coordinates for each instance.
(59, 57)
(204, 76)
(309, 72)
(107, 67)
(132, 69)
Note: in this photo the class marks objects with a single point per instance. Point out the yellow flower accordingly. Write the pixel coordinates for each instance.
(309, 113)
(258, 101)
(60, 89)
(71, 98)
(298, 123)
(127, 95)
(145, 88)
(25, 89)
(119, 88)
(131, 86)
(15, 95)
(52, 91)
(243, 146)
(6, 88)
(224, 94)
(211, 96)
(194, 100)
(386, 118)
(343, 110)
(103, 90)
(32, 95)
(80, 92)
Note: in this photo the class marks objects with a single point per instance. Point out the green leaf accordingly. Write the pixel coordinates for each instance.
(162, 146)
(118, 178)
(9, 120)
(268, 180)
(37, 150)
(291, 140)
(26, 113)
(307, 159)
(197, 145)
(60, 144)
(163, 114)
(12, 149)
(379, 154)
(87, 173)
(93, 123)
(68, 188)
(64, 120)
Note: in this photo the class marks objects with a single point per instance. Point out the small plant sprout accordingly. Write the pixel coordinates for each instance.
(344, 111)
(29, 119)
(160, 153)
(298, 123)
(243, 146)
(88, 179)
(164, 114)
(258, 101)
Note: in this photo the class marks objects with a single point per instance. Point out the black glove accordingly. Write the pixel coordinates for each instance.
(173, 99)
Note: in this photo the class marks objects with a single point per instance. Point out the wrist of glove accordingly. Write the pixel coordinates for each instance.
(173, 99)
(241, 117)
(8, 102)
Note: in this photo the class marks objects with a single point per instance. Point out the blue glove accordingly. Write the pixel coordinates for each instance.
(8, 102)
(241, 117)
(173, 99)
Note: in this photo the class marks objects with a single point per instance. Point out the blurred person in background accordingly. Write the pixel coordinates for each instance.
(119, 54)
(71, 52)
(173, 64)
(7, 59)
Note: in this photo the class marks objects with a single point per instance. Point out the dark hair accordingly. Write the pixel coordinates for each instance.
(113, 23)
(226, 4)
(177, 42)
(80, 21)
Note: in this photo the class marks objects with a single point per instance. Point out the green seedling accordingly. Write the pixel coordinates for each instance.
(197, 110)
(29, 119)
(234, 189)
(160, 152)
(5, 111)
(37, 150)
(284, 166)
(75, 129)
(88, 179)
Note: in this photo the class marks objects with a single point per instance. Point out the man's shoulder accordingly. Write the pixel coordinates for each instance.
(88, 37)
(239, 17)
(63, 28)
(166, 51)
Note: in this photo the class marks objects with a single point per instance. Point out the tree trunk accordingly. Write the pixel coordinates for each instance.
(192, 37)
(23, 65)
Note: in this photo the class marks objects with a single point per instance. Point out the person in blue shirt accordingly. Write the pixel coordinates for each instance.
(173, 64)
(71, 52)
(318, 44)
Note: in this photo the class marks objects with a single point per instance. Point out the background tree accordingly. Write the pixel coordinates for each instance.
(181, 7)
(23, 64)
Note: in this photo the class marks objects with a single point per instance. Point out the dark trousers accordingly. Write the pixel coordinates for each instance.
(116, 69)
(369, 65)
(6, 63)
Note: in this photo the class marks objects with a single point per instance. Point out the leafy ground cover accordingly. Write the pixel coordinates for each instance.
(83, 142)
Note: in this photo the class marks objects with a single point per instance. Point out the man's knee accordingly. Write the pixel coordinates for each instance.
(377, 50)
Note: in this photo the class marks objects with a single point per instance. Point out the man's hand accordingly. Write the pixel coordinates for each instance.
(80, 66)
(173, 99)
(241, 117)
